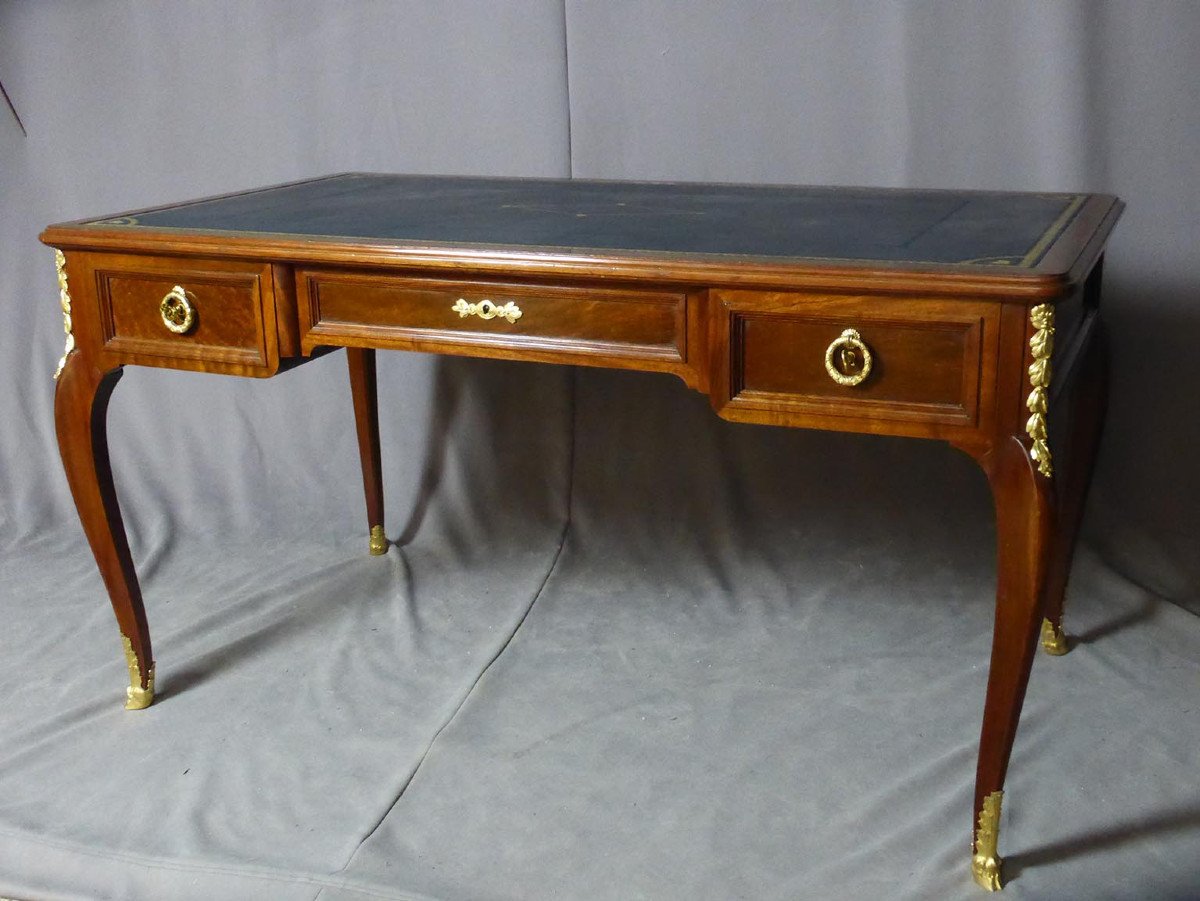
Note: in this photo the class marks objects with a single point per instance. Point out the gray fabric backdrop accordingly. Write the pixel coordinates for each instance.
(625, 650)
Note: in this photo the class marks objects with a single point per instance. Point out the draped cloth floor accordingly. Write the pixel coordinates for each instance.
(625, 650)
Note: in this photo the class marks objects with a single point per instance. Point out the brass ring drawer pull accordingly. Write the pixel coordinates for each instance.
(485, 309)
(848, 359)
(178, 313)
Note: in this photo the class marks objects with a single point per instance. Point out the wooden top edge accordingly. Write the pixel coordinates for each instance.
(1095, 220)
(550, 263)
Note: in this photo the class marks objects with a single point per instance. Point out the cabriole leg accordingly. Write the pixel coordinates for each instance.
(80, 412)
(1023, 527)
(366, 420)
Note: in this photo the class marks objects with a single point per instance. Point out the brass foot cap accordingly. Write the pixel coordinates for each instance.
(379, 542)
(1054, 642)
(986, 871)
(138, 698)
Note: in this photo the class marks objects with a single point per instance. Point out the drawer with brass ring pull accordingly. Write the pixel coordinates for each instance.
(902, 365)
(217, 314)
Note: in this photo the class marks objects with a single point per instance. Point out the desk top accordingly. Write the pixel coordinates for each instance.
(676, 224)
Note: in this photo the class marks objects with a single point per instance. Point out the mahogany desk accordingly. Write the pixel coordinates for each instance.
(965, 317)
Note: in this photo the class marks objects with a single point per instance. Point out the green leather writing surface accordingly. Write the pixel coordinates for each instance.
(856, 224)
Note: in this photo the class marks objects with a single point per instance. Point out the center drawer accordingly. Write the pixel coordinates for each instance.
(490, 318)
